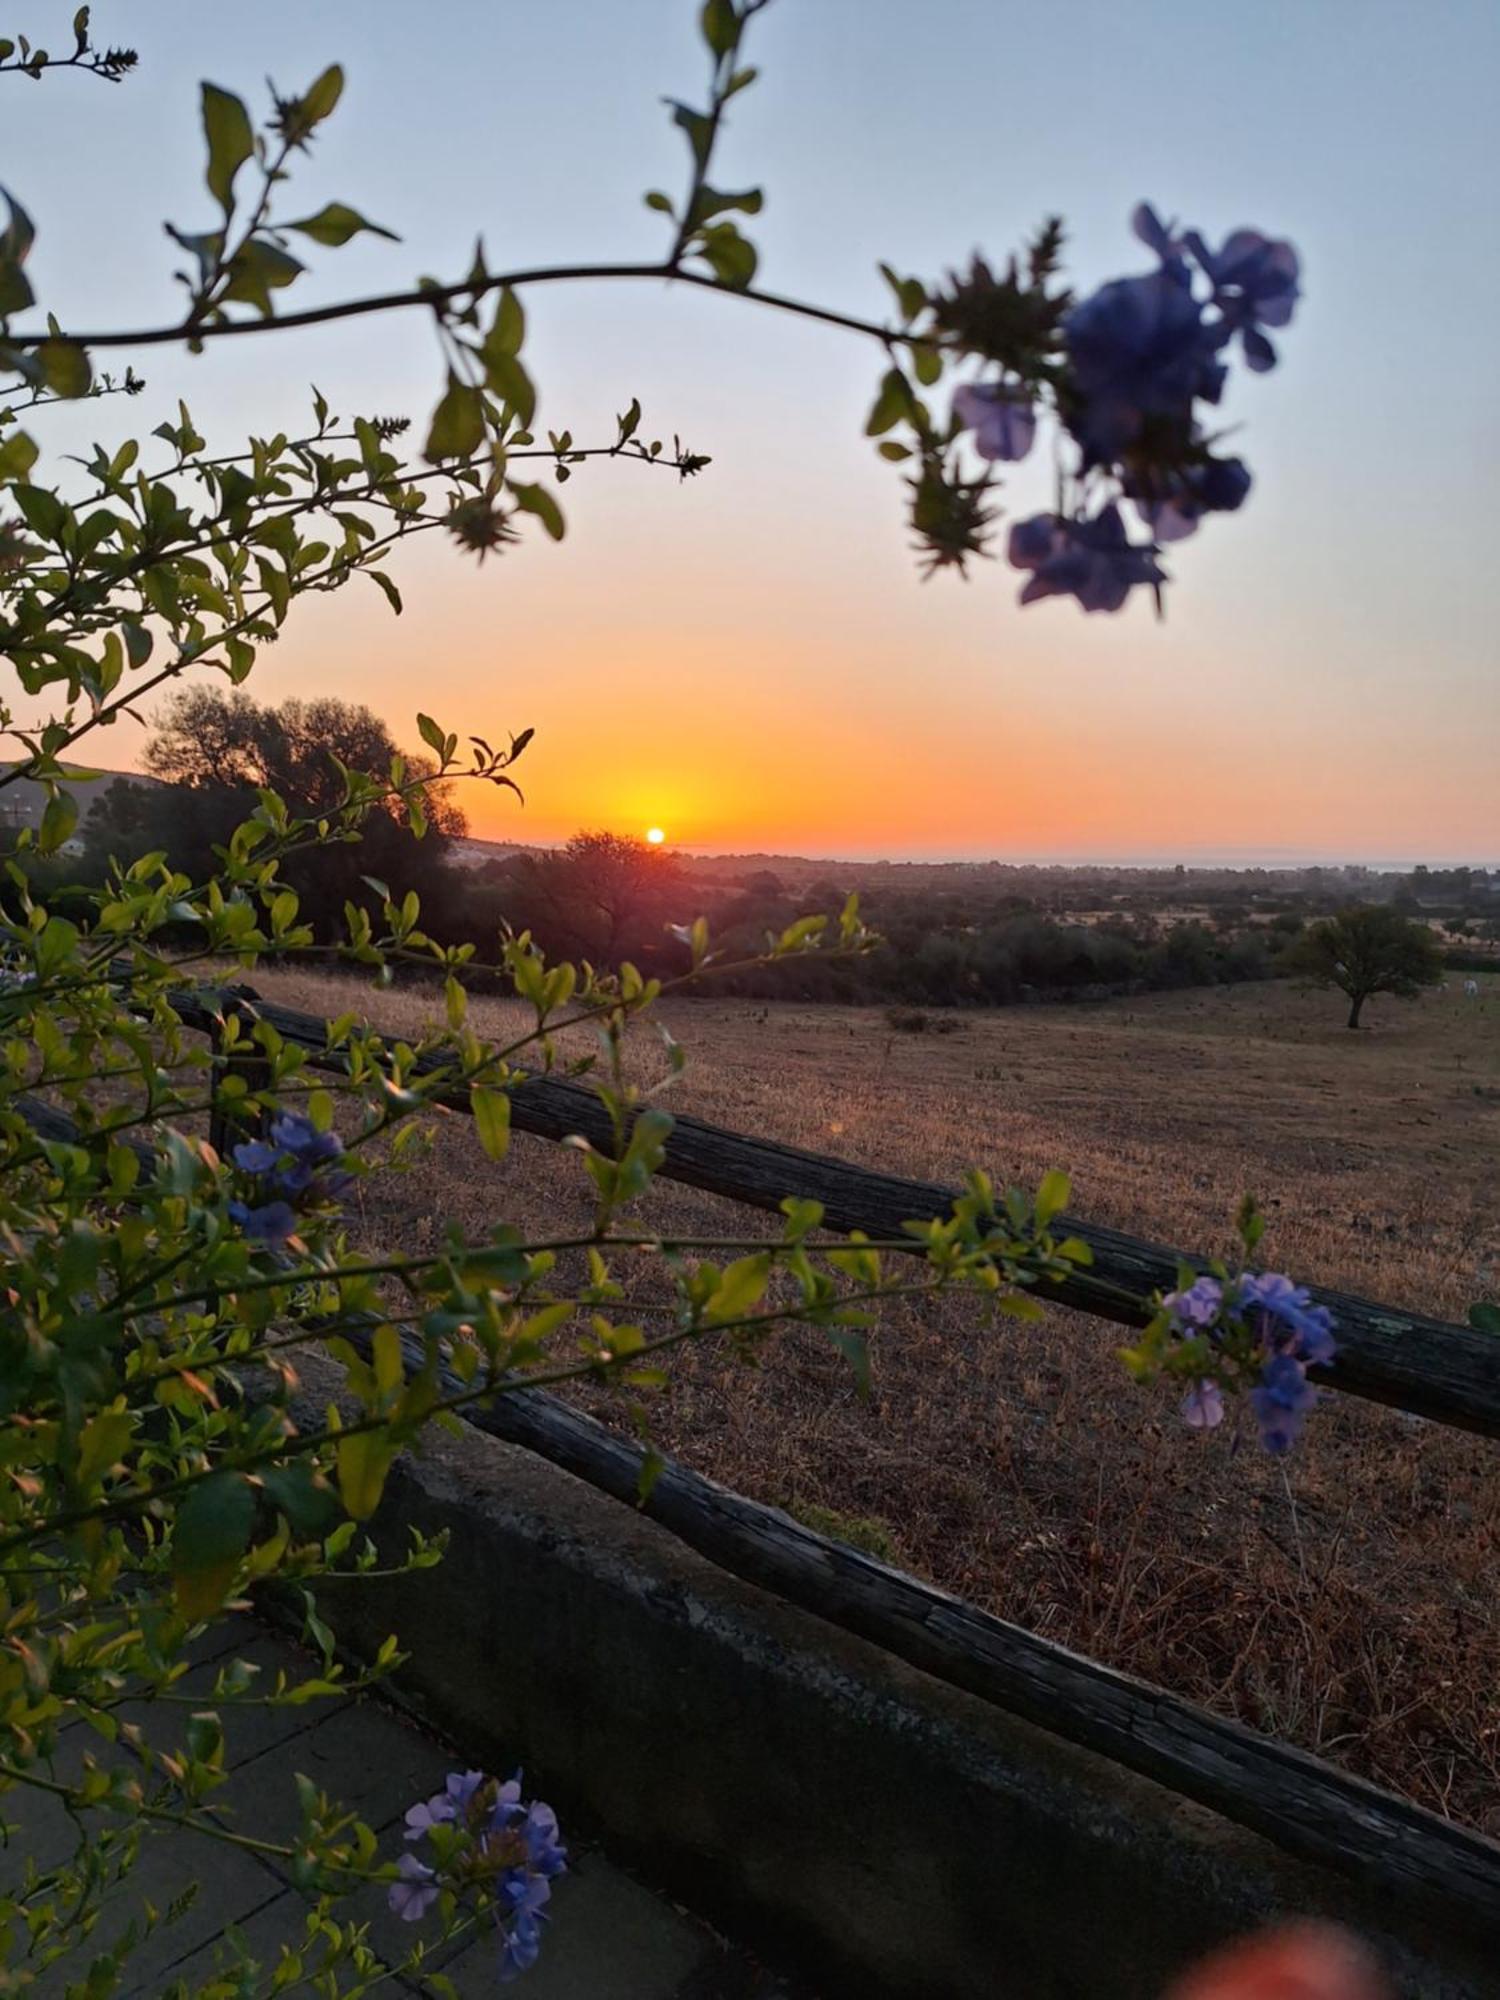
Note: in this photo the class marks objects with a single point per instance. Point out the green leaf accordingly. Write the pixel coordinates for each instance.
(721, 26)
(102, 1443)
(231, 141)
(856, 1351)
(18, 454)
(364, 1459)
(457, 427)
(59, 817)
(506, 378)
(508, 333)
(209, 1536)
(740, 1288)
(535, 499)
(259, 268)
(1485, 1318)
(894, 402)
(491, 1109)
(322, 97)
(15, 293)
(699, 129)
(392, 595)
(1052, 1197)
(731, 257)
(66, 367)
(336, 222)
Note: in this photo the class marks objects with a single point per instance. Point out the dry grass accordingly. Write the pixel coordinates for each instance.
(1348, 1603)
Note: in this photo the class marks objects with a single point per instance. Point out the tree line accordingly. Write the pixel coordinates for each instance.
(606, 897)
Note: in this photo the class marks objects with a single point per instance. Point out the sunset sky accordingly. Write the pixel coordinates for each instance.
(751, 661)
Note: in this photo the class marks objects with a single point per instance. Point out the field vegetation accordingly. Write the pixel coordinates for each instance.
(1346, 1598)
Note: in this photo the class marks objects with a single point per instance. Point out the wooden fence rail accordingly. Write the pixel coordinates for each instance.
(1306, 1806)
(1430, 1367)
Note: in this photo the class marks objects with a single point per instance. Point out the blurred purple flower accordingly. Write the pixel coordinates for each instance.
(1173, 510)
(1094, 561)
(292, 1133)
(1160, 237)
(512, 1854)
(1197, 1308)
(444, 1805)
(1139, 348)
(284, 1165)
(1203, 1406)
(1280, 1400)
(1290, 1335)
(413, 1895)
(1287, 1319)
(1255, 281)
(273, 1222)
(522, 1941)
(1002, 420)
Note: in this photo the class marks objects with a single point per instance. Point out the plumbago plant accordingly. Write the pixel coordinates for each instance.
(161, 1292)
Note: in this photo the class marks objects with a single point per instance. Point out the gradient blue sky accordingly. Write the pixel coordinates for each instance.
(751, 660)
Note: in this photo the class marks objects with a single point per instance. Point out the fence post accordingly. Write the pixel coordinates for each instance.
(232, 1119)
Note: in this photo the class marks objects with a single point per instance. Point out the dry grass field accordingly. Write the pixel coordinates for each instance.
(1348, 1601)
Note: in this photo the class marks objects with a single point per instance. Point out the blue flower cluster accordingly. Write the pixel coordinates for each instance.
(1139, 356)
(289, 1170)
(510, 1850)
(1285, 1332)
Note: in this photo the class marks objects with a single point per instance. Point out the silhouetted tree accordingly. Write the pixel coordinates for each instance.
(1366, 950)
(604, 897)
(214, 749)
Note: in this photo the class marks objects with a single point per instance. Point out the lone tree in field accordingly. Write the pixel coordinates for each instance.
(1369, 949)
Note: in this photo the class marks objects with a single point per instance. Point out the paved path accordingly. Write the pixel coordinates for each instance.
(610, 1939)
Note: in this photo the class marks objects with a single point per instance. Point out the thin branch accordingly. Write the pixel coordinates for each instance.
(435, 296)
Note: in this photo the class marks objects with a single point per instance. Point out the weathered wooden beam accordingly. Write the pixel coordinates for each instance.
(1433, 1368)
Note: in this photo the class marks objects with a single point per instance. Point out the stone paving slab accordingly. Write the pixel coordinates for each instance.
(610, 1938)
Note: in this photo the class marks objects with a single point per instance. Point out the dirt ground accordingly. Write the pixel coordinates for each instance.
(1346, 1599)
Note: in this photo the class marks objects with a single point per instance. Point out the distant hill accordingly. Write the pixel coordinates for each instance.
(21, 803)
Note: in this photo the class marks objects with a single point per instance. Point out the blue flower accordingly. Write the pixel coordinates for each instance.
(508, 1849)
(1196, 1309)
(1139, 349)
(522, 1940)
(1265, 1318)
(292, 1133)
(285, 1167)
(1288, 1320)
(1203, 1406)
(1160, 237)
(1255, 281)
(413, 1895)
(1173, 504)
(1094, 561)
(1002, 420)
(1280, 1400)
(445, 1805)
(273, 1222)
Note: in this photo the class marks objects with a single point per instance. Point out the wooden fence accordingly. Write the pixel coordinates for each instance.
(1436, 1369)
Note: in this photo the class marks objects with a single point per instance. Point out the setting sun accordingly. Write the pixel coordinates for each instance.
(655, 835)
